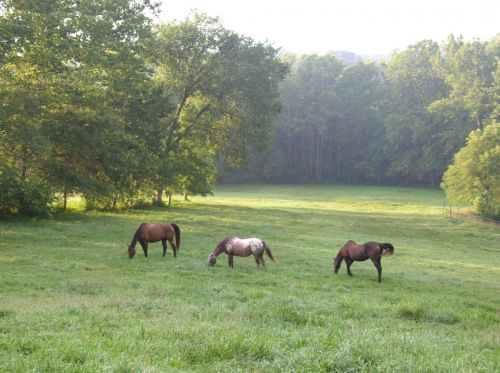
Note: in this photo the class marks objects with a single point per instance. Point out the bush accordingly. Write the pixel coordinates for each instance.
(23, 197)
(106, 201)
(474, 176)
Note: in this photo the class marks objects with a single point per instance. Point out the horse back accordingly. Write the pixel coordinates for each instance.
(246, 246)
(354, 251)
(157, 232)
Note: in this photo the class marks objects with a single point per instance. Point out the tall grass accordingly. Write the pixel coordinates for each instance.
(71, 300)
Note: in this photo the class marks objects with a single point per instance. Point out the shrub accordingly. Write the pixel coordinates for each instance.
(474, 176)
(23, 197)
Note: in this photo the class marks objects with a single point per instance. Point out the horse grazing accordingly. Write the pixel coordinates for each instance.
(351, 251)
(241, 247)
(153, 233)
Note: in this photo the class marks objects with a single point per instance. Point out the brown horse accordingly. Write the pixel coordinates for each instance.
(241, 247)
(153, 233)
(351, 251)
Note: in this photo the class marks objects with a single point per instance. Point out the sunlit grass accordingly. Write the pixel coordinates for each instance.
(70, 300)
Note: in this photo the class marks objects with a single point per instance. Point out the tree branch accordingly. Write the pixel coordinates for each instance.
(190, 128)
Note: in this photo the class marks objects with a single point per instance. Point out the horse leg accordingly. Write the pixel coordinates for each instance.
(144, 245)
(174, 248)
(348, 262)
(257, 260)
(261, 258)
(230, 260)
(164, 244)
(376, 263)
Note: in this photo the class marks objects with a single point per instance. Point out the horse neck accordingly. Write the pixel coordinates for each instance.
(136, 237)
(219, 250)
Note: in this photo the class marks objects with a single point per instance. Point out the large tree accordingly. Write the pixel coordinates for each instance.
(223, 91)
(71, 72)
(361, 136)
(413, 86)
(468, 68)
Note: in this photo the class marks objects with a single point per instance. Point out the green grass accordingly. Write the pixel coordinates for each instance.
(70, 300)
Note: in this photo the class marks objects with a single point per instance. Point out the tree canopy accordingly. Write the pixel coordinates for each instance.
(474, 176)
(97, 100)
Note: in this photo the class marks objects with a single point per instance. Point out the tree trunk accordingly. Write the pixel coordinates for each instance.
(65, 197)
(169, 199)
(159, 196)
(318, 150)
(310, 159)
(479, 123)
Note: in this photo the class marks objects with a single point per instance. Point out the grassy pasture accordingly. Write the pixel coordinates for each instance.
(70, 300)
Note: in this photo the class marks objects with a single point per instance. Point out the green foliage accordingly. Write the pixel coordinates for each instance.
(24, 197)
(330, 128)
(413, 86)
(467, 68)
(95, 100)
(69, 85)
(398, 123)
(224, 89)
(474, 176)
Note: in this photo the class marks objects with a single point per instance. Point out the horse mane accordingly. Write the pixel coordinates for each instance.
(220, 246)
(137, 235)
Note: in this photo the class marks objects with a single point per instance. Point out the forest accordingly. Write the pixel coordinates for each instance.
(98, 100)
(395, 123)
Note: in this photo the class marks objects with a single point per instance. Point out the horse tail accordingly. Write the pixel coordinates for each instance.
(338, 261)
(268, 252)
(177, 236)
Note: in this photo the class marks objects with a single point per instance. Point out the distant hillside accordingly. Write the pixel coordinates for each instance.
(350, 58)
(378, 58)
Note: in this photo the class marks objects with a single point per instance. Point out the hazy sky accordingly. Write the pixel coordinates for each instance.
(360, 26)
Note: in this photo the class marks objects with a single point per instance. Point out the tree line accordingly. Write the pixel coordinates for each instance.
(398, 123)
(99, 101)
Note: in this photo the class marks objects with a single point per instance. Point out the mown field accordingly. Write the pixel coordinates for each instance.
(71, 300)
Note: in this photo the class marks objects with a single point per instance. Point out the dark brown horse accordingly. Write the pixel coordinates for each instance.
(351, 251)
(241, 247)
(153, 233)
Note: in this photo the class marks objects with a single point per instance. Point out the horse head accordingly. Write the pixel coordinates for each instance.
(131, 251)
(212, 260)
(387, 249)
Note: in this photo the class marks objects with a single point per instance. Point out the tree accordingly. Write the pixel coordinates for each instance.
(305, 130)
(361, 135)
(474, 176)
(467, 67)
(72, 74)
(415, 139)
(224, 91)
